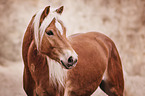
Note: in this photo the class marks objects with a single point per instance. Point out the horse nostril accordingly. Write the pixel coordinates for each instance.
(70, 59)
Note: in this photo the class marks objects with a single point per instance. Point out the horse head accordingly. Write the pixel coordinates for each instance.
(50, 37)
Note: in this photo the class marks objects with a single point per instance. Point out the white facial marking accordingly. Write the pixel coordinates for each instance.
(67, 54)
(59, 27)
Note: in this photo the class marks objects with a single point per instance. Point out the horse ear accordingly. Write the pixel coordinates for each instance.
(59, 10)
(44, 14)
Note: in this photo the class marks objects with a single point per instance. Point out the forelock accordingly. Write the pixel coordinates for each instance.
(40, 29)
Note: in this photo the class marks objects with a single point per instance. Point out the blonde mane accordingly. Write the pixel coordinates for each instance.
(57, 74)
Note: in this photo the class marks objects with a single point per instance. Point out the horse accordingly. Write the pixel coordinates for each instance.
(60, 65)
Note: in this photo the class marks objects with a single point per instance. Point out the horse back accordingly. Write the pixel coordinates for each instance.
(92, 41)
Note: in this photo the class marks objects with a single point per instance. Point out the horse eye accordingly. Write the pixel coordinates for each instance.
(49, 32)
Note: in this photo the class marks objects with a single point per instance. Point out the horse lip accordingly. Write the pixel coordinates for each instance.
(64, 65)
(69, 66)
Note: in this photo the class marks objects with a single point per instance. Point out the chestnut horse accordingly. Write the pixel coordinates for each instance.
(56, 65)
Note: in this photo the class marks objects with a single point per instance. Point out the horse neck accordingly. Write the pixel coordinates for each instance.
(30, 27)
(27, 40)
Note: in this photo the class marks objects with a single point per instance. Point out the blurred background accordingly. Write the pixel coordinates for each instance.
(121, 20)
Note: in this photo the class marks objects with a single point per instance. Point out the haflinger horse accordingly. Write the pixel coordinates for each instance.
(56, 65)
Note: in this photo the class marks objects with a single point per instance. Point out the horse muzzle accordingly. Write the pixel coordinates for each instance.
(69, 60)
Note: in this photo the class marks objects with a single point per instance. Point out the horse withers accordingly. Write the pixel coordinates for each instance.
(56, 65)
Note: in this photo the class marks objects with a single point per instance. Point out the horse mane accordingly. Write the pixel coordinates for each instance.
(57, 74)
